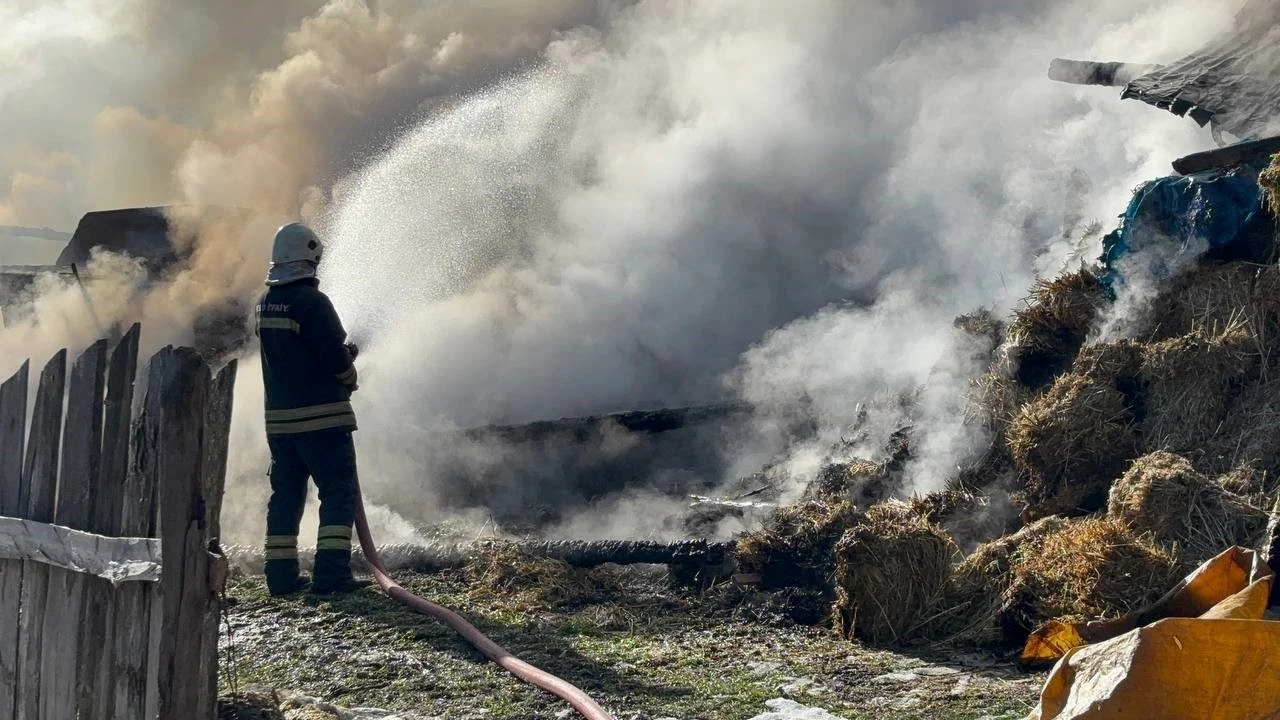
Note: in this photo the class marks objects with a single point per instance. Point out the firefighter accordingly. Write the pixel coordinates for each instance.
(308, 375)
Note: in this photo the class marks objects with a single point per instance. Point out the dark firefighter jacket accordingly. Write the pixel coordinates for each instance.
(306, 368)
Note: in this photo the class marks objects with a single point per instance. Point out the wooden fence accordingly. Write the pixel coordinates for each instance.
(110, 572)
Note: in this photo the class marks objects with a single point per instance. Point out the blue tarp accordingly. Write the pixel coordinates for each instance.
(1209, 211)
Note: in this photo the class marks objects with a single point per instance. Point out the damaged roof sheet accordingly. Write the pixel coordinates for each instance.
(1233, 82)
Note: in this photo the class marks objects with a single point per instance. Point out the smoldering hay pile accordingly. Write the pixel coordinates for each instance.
(1119, 463)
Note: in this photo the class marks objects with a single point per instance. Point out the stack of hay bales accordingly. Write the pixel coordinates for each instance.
(1070, 443)
(1186, 513)
(899, 582)
(795, 546)
(892, 570)
(1112, 445)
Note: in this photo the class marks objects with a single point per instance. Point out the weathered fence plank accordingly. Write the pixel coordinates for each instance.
(177, 402)
(36, 499)
(134, 653)
(95, 595)
(108, 507)
(13, 423)
(123, 615)
(217, 431)
(63, 655)
(13, 420)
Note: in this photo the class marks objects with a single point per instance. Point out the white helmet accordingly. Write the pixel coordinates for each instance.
(295, 254)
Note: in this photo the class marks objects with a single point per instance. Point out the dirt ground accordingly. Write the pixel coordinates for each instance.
(643, 650)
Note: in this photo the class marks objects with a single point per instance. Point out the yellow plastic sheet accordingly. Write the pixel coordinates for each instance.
(1203, 651)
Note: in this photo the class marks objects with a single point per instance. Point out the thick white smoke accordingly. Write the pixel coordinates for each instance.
(575, 207)
(680, 200)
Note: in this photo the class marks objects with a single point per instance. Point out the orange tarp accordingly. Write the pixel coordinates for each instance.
(1203, 651)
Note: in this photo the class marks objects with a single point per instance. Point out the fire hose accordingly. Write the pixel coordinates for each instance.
(580, 701)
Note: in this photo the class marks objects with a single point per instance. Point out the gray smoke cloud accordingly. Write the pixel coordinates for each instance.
(548, 209)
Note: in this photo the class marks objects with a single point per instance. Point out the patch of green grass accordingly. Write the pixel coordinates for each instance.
(638, 648)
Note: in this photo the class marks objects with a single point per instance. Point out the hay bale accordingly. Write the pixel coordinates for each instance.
(1213, 297)
(982, 325)
(857, 481)
(1190, 382)
(1246, 481)
(1116, 363)
(795, 546)
(892, 569)
(1186, 513)
(1070, 444)
(1089, 569)
(994, 400)
(1044, 337)
(504, 570)
(942, 505)
(1250, 433)
(1269, 181)
(977, 595)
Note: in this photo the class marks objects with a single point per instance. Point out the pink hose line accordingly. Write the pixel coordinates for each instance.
(580, 701)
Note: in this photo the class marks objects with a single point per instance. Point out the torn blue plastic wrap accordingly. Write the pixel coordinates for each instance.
(1206, 212)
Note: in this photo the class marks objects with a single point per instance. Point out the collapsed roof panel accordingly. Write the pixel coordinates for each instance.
(1233, 82)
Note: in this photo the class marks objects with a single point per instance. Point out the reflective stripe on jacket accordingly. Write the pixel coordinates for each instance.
(307, 371)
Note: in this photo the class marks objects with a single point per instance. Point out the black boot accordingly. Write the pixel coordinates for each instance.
(333, 573)
(283, 577)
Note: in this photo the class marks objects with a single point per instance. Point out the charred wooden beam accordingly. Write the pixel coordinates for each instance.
(647, 422)
(1237, 154)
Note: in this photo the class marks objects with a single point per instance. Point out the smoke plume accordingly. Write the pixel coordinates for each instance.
(571, 207)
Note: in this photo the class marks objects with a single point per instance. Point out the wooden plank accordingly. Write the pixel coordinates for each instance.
(134, 652)
(177, 401)
(64, 656)
(217, 432)
(108, 504)
(82, 439)
(37, 495)
(13, 419)
(217, 435)
(1236, 154)
(108, 511)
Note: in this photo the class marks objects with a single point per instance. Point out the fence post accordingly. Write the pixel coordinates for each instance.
(177, 402)
(13, 423)
(69, 591)
(126, 508)
(36, 499)
(214, 474)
